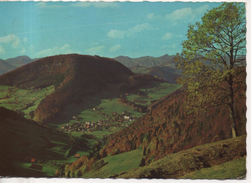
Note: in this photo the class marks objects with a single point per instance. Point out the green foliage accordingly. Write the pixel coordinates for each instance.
(97, 165)
(72, 174)
(152, 158)
(78, 173)
(213, 50)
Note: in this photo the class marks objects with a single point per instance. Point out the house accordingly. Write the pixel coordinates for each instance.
(77, 155)
(95, 109)
(33, 160)
(62, 127)
(127, 117)
(87, 123)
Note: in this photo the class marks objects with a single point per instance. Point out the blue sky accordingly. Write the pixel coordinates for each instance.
(110, 29)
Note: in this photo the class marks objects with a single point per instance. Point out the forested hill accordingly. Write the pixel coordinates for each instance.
(74, 77)
(167, 128)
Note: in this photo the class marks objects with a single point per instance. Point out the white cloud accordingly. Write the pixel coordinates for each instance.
(167, 36)
(96, 4)
(116, 34)
(186, 13)
(13, 39)
(115, 48)
(153, 16)
(202, 9)
(54, 51)
(25, 40)
(23, 50)
(2, 51)
(94, 50)
(45, 5)
(173, 46)
(137, 28)
(180, 14)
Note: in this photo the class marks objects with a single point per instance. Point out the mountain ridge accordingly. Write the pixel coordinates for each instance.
(5, 67)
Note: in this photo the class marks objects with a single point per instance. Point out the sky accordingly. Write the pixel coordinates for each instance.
(109, 29)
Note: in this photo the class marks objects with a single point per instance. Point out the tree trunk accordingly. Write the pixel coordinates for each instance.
(231, 105)
(232, 119)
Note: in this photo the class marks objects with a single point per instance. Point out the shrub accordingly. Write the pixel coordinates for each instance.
(97, 165)
(142, 162)
(72, 174)
(57, 173)
(67, 174)
(31, 114)
(117, 151)
(79, 164)
(152, 158)
(78, 173)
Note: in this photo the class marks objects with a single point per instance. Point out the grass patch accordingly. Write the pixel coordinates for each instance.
(228, 170)
(17, 99)
(117, 164)
(155, 92)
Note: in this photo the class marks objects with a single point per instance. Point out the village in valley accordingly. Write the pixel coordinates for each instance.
(115, 119)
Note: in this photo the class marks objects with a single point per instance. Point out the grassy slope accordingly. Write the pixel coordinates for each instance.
(117, 164)
(156, 92)
(228, 170)
(177, 165)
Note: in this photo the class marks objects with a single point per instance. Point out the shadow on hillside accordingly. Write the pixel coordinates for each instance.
(14, 169)
(109, 92)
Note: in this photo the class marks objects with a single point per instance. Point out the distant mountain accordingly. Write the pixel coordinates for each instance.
(146, 61)
(19, 61)
(162, 67)
(169, 74)
(5, 67)
(74, 76)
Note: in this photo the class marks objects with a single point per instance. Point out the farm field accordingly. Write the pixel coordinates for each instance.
(21, 99)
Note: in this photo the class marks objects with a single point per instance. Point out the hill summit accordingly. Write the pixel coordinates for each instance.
(73, 76)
